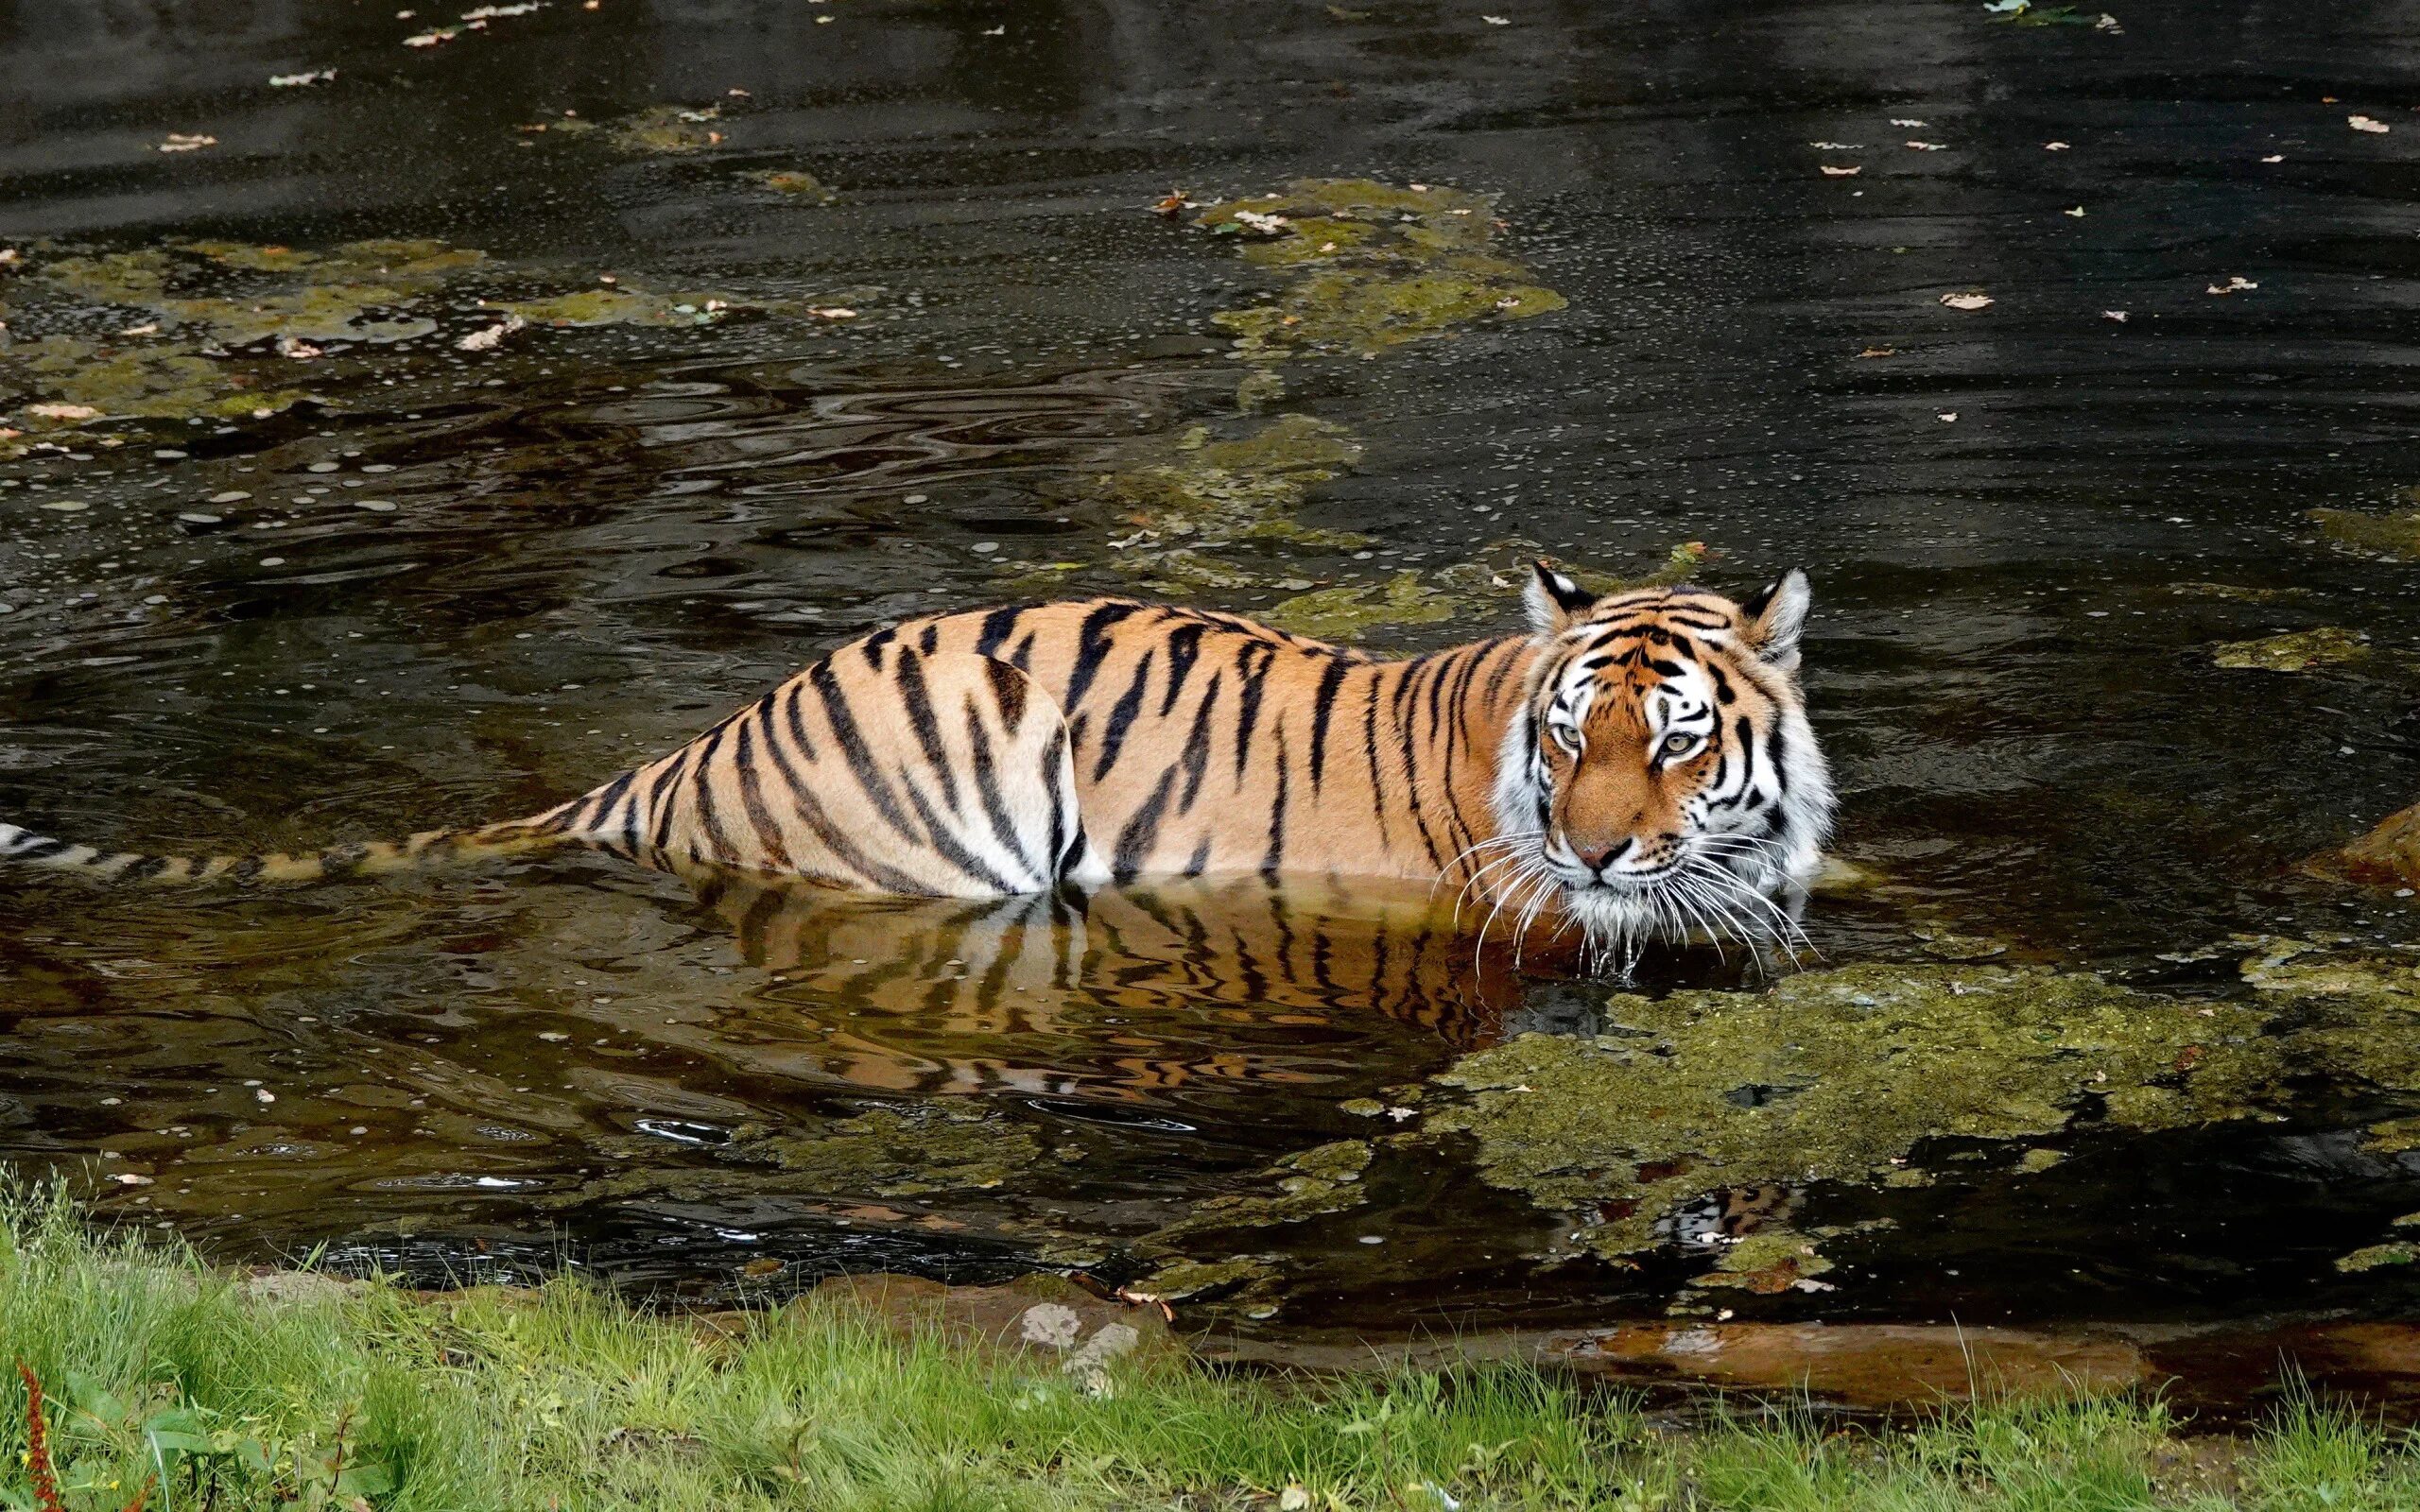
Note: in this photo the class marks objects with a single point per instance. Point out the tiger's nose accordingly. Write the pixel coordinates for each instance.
(1602, 856)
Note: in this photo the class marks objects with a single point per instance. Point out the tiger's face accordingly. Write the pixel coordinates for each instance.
(1661, 778)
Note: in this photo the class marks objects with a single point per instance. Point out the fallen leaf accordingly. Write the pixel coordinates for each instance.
(1966, 301)
(1879, 352)
(1836, 146)
(2108, 24)
(1947, 415)
(832, 311)
(2077, 212)
(2274, 157)
(430, 39)
(1497, 21)
(1000, 30)
(298, 350)
(296, 80)
(2363, 123)
(148, 328)
(1930, 146)
(62, 411)
(2233, 286)
(184, 142)
(1850, 172)
(2118, 316)
(2054, 147)
(1906, 120)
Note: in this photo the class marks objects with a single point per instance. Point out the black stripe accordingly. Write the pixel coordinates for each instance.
(719, 845)
(1121, 717)
(1092, 648)
(918, 699)
(1197, 746)
(602, 802)
(1184, 648)
(853, 744)
(930, 640)
(752, 800)
(1200, 860)
(987, 787)
(1324, 710)
(1142, 832)
(946, 842)
(1009, 689)
(1247, 698)
(997, 625)
(657, 808)
(1275, 857)
(1370, 753)
(872, 645)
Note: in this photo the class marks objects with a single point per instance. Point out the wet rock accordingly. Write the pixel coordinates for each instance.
(2301, 651)
(795, 183)
(2378, 1257)
(1850, 1069)
(1203, 493)
(2388, 856)
(622, 305)
(911, 1150)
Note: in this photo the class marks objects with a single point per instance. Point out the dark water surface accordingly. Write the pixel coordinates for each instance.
(464, 584)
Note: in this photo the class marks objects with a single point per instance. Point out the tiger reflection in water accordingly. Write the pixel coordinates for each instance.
(1213, 982)
(1189, 968)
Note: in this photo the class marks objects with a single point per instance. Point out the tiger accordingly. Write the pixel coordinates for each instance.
(1639, 762)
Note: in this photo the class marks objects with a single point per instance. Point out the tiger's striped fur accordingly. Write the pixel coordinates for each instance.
(1009, 750)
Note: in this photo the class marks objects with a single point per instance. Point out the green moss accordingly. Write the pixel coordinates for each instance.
(1309, 1184)
(2328, 646)
(1373, 266)
(159, 381)
(2378, 1257)
(1241, 489)
(1830, 1075)
(306, 296)
(2397, 534)
(668, 128)
(1349, 612)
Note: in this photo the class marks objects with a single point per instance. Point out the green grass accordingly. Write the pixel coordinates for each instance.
(566, 1398)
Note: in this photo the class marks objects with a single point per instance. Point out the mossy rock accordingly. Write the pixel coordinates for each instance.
(2300, 651)
(1832, 1076)
(2397, 533)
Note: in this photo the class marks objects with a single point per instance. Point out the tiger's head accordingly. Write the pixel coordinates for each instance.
(1661, 777)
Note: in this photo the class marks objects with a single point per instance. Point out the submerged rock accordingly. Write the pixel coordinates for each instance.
(1351, 612)
(1830, 1075)
(2302, 650)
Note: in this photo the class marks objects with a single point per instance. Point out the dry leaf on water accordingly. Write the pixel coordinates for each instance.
(1966, 301)
(2363, 123)
(1851, 172)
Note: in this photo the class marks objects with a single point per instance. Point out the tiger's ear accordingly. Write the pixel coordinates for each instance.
(1552, 599)
(1775, 618)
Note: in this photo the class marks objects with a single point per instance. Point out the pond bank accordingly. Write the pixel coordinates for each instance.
(284, 1389)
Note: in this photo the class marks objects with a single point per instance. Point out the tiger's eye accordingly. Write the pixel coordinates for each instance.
(1675, 744)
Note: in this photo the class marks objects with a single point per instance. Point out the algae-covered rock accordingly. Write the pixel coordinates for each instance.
(2378, 1257)
(236, 293)
(2300, 651)
(1308, 1184)
(1351, 612)
(1241, 489)
(2397, 533)
(668, 129)
(1371, 266)
(1831, 1076)
(157, 381)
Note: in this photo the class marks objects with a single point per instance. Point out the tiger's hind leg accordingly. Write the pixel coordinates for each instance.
(880, 768)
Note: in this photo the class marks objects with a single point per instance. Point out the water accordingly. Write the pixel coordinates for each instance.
(601, 537)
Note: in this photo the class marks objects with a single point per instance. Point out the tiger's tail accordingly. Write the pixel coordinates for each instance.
(539, 831)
